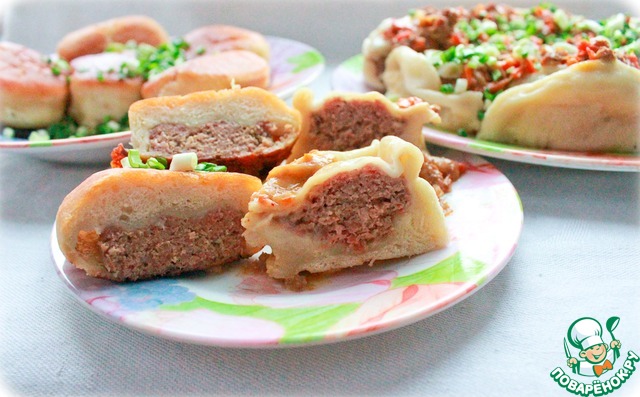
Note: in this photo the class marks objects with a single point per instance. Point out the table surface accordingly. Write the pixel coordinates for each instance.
(578, 256)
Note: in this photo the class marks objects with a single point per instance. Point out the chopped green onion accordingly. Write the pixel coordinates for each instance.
(447, 88)
(461, 86)
(58, 66)
(210, 167)
(162, 161)
(39, 135)
(481, 115)
(490, 95)
(462, 132)
(82, 131)
(184, 162)
(449, 54)
(8, 132)
(155, 164)
(133, 156)
(474, 63)
(156, 60)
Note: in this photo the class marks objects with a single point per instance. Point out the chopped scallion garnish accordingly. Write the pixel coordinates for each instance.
(447, 88)
(210, 167)
(155, 164)
(133, 155)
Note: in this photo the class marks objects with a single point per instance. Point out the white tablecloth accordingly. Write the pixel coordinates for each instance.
(579, 255)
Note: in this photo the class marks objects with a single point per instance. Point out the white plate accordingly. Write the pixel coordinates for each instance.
(244, 308)
(348, 77)
(293, 65)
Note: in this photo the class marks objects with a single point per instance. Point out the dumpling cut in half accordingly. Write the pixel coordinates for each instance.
(249, 130)
(332, 210)
(347, 121)
(127, 224)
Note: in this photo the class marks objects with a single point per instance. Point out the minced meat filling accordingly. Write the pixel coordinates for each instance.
(352, 208)
(176, 246)
(221, 139)
(441, 172)
(347, 125)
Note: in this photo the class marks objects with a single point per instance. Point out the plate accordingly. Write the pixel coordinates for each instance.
(244, 308)
(293, 65)
(348, 77)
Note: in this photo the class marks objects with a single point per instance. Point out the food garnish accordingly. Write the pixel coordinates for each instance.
(130, 158)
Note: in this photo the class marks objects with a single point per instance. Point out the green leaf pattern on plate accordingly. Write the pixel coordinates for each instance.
(453, 269)
(354, 64)
(307, 324)
(40, 144)
(304, 324)
(305, 60)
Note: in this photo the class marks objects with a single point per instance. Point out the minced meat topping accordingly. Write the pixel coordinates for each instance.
(492, 46)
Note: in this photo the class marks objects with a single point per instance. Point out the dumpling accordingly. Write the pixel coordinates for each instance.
(352, 121)
(249, 130)
(408, 73)
(590, 106)
(332, 210)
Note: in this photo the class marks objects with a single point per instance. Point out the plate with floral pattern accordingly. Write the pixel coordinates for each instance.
(242, 307)
(348, 77)
(293, 65)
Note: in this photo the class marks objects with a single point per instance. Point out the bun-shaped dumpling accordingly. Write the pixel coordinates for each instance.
(246, 129)
(99, 91)
(212, 39)
(130, 223)
(589, 106)
(95, 38)
(210, 72)
(344, 121)
(31, 95)
(332, 210)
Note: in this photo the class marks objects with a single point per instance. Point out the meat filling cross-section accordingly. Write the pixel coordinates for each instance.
(174, 247)
(353, 208)
(348, 125)
(219, 139)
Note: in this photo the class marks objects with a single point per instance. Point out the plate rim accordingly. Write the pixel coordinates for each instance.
(560, 159)
(463, 291)
(618, 162)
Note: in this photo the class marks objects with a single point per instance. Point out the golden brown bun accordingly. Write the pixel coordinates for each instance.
(212, 39)
(265, 119)
(346, 121)
(31, 96)
(94, 39)
(134, 199)
(305, 236)
(210, 72)
(98, 91)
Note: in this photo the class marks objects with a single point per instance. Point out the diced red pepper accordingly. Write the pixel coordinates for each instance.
(117, 154)
(456, 38)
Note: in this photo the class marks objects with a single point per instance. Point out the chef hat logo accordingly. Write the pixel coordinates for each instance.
(584, 333)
